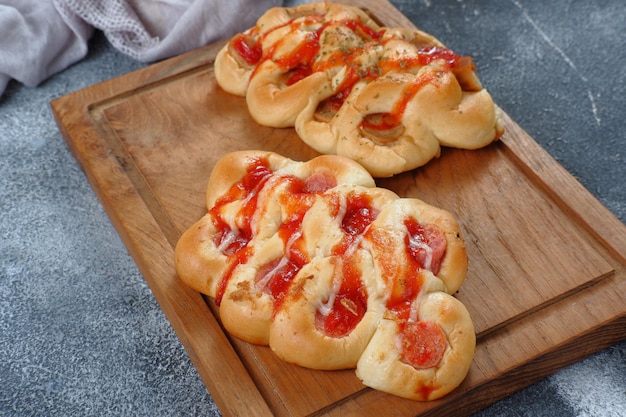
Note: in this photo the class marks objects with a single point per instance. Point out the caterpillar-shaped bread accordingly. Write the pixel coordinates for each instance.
(388, 98)
(312, 259)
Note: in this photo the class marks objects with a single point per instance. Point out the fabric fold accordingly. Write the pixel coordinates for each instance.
(39, 38)
(35, 41)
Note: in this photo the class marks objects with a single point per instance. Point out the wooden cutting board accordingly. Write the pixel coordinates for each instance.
(546, 279)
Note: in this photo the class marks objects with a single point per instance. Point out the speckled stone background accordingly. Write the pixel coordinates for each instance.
(80, 332)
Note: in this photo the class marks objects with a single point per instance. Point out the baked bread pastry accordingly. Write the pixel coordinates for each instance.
(388, 98)
(312, 259)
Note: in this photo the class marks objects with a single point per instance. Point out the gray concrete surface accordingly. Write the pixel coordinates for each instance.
(80, 332)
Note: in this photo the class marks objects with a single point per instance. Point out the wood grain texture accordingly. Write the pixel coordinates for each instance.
(547, 261)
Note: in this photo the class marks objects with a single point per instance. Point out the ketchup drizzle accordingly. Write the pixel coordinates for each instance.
(246, 189)
(300, 195)
(303, 62)
(247, 48)
(297, 202)
(423, 343)
(350, 303)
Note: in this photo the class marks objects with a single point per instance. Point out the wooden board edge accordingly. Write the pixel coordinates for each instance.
(571, 196)
(589, 211)
(472, 397)
(545, 365)
(222, 371)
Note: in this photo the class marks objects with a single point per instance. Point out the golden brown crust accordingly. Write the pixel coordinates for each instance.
(294, 336)
(246, 310)
(329, 69)
(231, 74)
(198, 261)
(453, 268)
(381, 366)
(312, 259)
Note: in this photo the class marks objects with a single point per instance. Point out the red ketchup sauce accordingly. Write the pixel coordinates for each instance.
(299, 62)
(350, 302)
(349, 306)
(393, 119)
(422, 343)
(296, 201)
(248, 48)
(303, 61)
(418, 236)
(237, 248)
(359, 215)
(284, 269)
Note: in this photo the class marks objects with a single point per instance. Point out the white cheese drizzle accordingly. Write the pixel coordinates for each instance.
(283, 261)
(230, 237)
(417, 243)
(326, 307)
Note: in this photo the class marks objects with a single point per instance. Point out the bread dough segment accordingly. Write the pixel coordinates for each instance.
(390, 223)
(199, 263)
(246, 310)
(415, 146)
(382, 367)
(294, 336)
(230, 74)
(271, 103)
